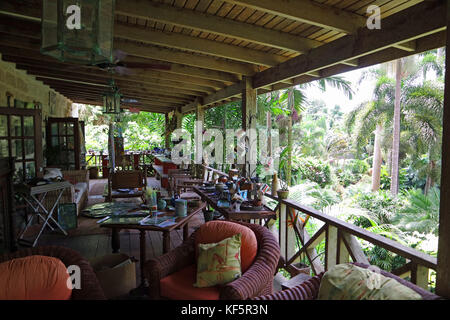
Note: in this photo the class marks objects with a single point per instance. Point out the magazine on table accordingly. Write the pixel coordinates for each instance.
(160, 221)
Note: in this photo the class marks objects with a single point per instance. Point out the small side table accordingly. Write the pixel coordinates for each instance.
(34, 197)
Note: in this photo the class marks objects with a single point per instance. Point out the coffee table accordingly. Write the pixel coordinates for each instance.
(132, 223)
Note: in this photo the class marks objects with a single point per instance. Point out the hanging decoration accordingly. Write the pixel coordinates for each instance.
(78, 31)
(112, 99)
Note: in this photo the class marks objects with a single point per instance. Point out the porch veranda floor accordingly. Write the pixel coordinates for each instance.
(92, 241)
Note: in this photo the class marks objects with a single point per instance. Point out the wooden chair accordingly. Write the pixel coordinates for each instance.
(181, 180)
(126, 179)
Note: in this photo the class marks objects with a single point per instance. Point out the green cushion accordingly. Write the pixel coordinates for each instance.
(350, 282)
(219, 263)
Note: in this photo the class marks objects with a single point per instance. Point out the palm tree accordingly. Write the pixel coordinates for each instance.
(423, 114)
(396, 128)
(373, 116)
(412, 111)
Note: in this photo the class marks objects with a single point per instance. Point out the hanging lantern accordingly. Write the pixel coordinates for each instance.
(78, 31)
(111, 99)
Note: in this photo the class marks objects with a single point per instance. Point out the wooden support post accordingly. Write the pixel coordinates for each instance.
(249, 108)
(443, 259)
(179, 116)
(199, 126)
(331, 247)
(167, 142)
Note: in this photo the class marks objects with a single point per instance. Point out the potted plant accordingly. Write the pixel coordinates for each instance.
(283, 192)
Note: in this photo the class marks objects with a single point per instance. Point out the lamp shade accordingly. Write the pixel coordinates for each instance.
(112, 99)
(78, 31)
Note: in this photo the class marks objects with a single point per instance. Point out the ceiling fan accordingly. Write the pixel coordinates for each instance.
(118, 66)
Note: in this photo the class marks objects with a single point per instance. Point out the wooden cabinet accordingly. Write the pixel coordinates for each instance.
(7, 225)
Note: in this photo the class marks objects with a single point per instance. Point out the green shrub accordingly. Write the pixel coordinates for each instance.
(347, 177)
(313, 169)
(381, 205)
(357, 166)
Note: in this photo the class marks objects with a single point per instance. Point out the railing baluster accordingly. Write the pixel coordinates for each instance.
(343, 256)
(282, 229)
(419, 275)
(354, 248)
(331, 246)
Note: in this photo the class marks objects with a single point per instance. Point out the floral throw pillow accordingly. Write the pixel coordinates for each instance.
(219, 263)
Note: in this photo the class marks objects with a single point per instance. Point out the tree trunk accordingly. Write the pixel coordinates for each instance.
(429, 181)
(377, 159)
(396, 131)
(269, 133)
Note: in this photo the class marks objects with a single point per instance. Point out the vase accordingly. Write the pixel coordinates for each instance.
(274, 186)
(161, 204)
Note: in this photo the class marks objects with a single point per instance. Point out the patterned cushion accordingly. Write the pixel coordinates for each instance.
(219, 263)
(216, 231)
(350, 282)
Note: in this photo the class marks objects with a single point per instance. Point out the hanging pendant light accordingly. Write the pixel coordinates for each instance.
(78, 31)
(111, 99)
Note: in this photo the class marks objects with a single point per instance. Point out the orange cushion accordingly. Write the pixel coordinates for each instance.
(34, 278)
(180, 286)
(216, 231)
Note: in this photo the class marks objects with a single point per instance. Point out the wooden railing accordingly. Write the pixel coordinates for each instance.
(339, 238)
(341, 244)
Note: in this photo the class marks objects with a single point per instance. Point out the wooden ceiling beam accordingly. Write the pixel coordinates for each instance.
(180, 57)
(426, 22)
(425, 18)
(211, 78)
(209, 23)
(128, 92)
(137, 74)
(317, 14)
(198, 45)
(138, 88)
(180, 62)
(98, 95)
(88, 74)
(103, 80)
(309, 12)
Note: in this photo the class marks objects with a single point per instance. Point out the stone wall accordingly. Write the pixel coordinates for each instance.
(26, 88)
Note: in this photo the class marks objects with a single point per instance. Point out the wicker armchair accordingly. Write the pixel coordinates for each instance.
(90, 287)
(309, 289)
(256, 281)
